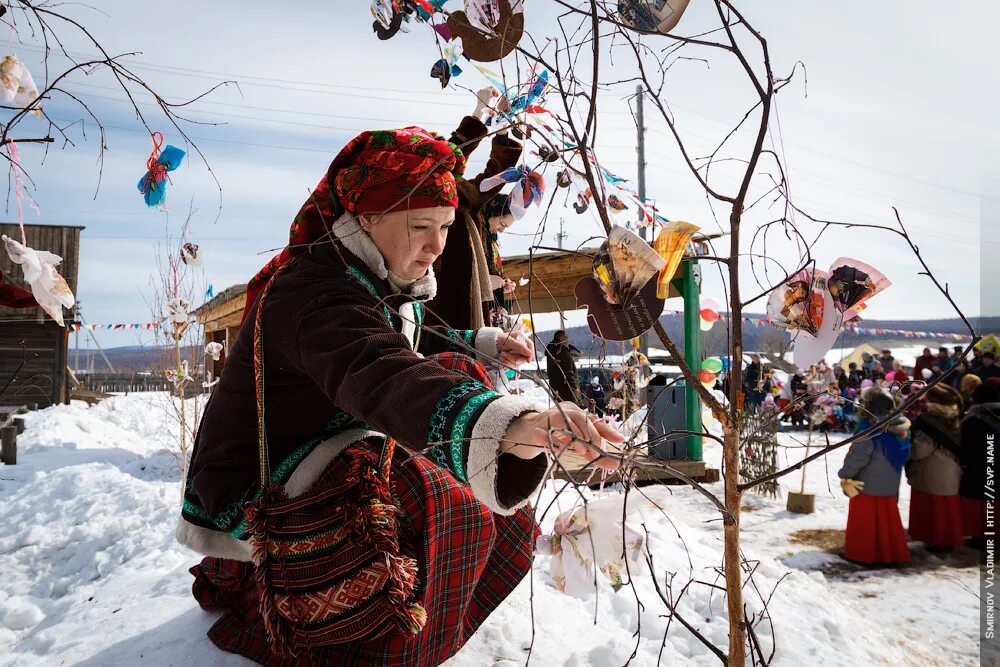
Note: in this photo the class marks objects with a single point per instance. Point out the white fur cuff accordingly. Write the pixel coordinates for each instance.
(210, 542)
(486, 345)
(484, 452)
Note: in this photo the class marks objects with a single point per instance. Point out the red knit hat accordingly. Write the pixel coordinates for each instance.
(392, 170)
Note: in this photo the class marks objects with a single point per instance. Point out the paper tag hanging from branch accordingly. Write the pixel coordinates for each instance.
(17, 87)
(670, 244)
(620, 296)
(485, 47)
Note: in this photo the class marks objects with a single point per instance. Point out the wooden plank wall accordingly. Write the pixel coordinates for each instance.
(41, 348)
(29, 334)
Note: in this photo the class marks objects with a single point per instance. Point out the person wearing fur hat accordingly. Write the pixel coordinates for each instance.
(934, 473)
(980, 422)
(334, 346)
(870, 478)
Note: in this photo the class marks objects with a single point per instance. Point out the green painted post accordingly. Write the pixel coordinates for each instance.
(688, 287)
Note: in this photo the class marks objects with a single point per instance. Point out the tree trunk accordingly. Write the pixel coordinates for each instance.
(180, 392)
(731, 546)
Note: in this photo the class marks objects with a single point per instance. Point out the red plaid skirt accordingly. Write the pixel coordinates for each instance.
(469, 561)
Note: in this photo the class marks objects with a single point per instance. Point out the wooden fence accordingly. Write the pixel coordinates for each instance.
(124, 383)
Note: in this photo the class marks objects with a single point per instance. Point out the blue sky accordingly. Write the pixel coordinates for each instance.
(897, 113)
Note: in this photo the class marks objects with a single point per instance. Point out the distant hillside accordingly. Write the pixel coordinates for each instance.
(133, 358)
(760, 338)
(767, 339)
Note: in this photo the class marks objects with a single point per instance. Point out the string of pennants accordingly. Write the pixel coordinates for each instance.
(861, 331)
(77, 326)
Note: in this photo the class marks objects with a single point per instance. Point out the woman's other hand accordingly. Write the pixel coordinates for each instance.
(515, 349)
(571, 429)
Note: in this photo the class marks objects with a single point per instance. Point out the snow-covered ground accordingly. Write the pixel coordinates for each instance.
(91, 574)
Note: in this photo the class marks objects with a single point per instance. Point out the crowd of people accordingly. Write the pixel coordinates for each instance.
(942, 449)
(826, 396)
(938, 442)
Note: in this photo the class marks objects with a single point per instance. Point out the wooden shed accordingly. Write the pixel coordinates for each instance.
(220, 316)
(33, 348)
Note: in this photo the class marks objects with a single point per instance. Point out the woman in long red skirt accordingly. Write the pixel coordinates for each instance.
(325, 542)
(934, 473)
(982, 421)
(870, 478)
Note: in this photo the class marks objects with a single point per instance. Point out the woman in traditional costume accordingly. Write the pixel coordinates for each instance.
(325, 542)
(870, 478)
(934, 471)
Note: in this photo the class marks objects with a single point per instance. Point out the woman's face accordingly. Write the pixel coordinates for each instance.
(410, 240)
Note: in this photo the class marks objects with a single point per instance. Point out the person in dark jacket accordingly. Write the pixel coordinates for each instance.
(333, 345)
(934, 472)
(945, 359)
(594, 393)
(854, 376)
(989, 368)
(471, 284)
(981, 422)
(923, 361)
(560, 364)
(753, 380)
(870, 478)
(885, 358)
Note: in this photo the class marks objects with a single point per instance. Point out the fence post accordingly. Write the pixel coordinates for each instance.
(8, 445)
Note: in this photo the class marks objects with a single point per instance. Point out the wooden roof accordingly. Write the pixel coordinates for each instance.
(552, 278)
(224, 310)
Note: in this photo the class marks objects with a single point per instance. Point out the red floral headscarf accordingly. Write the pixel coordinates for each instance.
(377, 171)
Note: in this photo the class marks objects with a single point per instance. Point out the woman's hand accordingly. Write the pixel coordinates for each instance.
(485, 103)
(515, 349)
(529, 435)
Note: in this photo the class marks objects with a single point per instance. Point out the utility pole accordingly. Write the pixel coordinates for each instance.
(76, 317)
(641, 154)
(99, 349)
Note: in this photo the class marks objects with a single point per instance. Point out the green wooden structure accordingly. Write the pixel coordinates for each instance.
(552, 280)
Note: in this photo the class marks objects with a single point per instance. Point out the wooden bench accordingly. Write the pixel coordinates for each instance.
(11, 426)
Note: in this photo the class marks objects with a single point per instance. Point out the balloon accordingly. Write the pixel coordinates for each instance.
(706, 325)
(926, 373)
(713, 364)
(708, 303)
(866, 383)
(706, 376)
(709, 315)
(890, 377)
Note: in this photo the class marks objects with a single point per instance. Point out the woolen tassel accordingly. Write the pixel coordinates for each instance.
(403, 573)
(417, 616)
